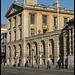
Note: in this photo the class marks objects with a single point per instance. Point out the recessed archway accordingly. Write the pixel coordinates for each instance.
(29, 52)
(35, 52)
(43, 50)
(9, 54)
(51, 48)
(20, 52)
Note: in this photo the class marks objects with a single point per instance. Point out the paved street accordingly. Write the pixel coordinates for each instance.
(29, 71)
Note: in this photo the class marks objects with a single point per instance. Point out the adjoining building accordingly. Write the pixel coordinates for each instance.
(68, 43)
(34, 31)
(3, 42)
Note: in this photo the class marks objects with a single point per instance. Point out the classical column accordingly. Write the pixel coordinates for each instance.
(39, 22)
(7, 54)
(12, 32)
(56, 49)
(46, 49)
(70, 41)
(38, 50)
(12, 56)
(23, 37)
(17, 28)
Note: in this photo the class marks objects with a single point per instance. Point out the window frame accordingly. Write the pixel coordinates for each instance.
(45, 19)
(32, 21)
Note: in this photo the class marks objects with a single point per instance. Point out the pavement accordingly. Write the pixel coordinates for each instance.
(41, 69)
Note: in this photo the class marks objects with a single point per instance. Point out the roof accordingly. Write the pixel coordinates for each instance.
(3, 28)
(39, 7)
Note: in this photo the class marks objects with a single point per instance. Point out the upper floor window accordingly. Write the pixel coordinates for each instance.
(44, 20)
(10, 36)
(9, 23)
(65, 21)
(55, 21)
(32, 18)
(15, 34)
(14, 21)
(20, 34)
(32, 32)
(20, 19)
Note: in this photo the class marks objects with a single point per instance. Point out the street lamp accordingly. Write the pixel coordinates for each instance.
(32, 57)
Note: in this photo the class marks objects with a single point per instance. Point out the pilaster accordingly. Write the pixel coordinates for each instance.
(70, 41)
(12, 56)
(12, 32)
(17, 28)
(56, 49)
(39, 49)
(73, 39)
(46, 49)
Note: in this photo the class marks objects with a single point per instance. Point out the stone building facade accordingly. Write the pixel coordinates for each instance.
(33, 26)
(68, 43)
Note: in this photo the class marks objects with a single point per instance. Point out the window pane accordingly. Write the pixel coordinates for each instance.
(32, 18)
(55, 21)
(44, 20)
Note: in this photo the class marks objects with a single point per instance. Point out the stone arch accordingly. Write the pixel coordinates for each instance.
(43, 50)
(61, 50)
(9, 51)
(9, 54)
(35, 52)
(19, 51)
(51, 48)
(14, 51)
(29, 52)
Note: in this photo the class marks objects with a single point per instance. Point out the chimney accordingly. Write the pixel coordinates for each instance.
(56, 4)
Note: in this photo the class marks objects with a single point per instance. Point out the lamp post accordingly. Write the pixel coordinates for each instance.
(32, 57)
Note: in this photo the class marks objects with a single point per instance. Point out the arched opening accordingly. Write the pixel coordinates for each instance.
(9, 50)
(61, 51)
(20, 52)
(29, 52)
(43, 50)
(14, 50)
(51, 48)
(9, 54)
(35, 52)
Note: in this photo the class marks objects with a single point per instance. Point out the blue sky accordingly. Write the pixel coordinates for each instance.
(69, 4)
